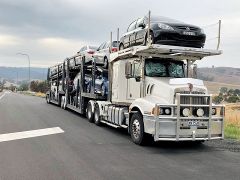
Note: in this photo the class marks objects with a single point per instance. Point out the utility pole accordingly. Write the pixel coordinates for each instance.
(29, 78)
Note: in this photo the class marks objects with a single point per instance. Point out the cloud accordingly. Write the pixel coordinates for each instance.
(9, 40)
(51, 30)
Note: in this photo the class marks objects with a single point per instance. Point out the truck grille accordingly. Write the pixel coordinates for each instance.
(193, 100)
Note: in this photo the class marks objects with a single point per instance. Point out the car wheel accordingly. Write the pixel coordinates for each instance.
(89, 112)
(97, 119)
(105, 62)
(121, 47)
(137, 129)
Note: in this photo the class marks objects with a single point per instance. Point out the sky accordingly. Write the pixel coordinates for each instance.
(51, 30)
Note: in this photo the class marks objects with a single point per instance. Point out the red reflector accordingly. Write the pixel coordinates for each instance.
(114, 49)
(90, 52)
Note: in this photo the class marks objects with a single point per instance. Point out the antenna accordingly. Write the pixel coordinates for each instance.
(219, 33)
(149, 21)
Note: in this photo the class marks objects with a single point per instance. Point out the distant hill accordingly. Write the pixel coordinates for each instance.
(21, 73)
(214, 77)
(227, 75)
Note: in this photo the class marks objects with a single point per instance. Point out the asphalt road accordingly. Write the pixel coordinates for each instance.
(85, 151)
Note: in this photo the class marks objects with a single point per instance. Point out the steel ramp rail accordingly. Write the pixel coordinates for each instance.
(164, 51)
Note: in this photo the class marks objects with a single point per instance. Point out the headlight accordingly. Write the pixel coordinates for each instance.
(186, 112)
(165, 26)
(202, 31)
(200, 112)
(167, 111)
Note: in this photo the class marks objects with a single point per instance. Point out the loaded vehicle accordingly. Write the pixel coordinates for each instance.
(87, 51)
(152, 93)
(102, 54)
(163, 31)
(74, 83)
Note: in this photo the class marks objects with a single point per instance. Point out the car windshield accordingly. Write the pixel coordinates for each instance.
(164, 68)
(115, 44)
(155, 19)
(93, 47)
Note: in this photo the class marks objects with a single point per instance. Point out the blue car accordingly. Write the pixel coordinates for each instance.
(101, 81)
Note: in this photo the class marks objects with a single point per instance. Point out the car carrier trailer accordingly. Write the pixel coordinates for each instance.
(152, 94)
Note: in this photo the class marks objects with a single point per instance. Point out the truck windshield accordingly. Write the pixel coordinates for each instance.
(164, 68)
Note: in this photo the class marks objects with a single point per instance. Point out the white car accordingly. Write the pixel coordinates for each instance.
(88, 52)
(103, 52)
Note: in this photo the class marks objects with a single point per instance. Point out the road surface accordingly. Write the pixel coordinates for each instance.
(85, 151)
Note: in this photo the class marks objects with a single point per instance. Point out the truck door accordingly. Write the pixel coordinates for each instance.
(133, 86)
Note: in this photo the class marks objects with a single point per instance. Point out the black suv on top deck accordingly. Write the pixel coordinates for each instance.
(164, 31)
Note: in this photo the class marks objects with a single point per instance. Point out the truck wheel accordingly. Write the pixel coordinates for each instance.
(59, 100)
(137, 129)
(62, 102)
(47, 98)
(97, 115)
(89, 112)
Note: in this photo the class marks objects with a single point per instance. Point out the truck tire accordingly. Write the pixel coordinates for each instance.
(89, 112)
(47, 98)
(59, 100)
(62, 102)
(97, 119)
(137, 129)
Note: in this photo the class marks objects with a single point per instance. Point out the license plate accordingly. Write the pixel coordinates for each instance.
(189, 33)
(193, 123)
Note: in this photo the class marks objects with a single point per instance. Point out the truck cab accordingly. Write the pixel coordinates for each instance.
(164, 100)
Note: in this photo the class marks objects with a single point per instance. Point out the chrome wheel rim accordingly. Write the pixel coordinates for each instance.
(89, 113)
(136, 129)
(96, 116)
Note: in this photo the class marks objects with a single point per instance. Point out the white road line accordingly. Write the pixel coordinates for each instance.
(30, 134)
(2, 96)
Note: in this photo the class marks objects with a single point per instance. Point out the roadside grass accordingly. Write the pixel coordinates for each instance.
(30, 93)
(232, 121)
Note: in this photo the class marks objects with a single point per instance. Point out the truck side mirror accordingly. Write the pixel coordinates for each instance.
(128, 70)
(195, 71)
(138, 78)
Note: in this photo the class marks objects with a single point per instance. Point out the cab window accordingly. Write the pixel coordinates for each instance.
(139, 21)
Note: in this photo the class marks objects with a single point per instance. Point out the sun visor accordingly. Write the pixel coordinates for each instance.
(180, 81)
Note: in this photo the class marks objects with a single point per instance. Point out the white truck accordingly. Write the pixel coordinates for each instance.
(154, 94)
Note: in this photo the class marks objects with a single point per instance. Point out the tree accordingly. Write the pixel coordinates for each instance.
(233, 99)
(217, 99)
(23, 87)
(223, 90)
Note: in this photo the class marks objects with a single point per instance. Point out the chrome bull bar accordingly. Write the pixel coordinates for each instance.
(178, 118)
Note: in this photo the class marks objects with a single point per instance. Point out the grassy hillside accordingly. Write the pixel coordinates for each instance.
(225, 75)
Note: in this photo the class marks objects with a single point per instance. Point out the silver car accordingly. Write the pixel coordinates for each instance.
(88, 52)
(103, 52)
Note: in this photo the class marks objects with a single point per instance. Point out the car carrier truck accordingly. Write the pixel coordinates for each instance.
(153, 93)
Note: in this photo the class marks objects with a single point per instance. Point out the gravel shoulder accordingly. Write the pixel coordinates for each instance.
(226, 144)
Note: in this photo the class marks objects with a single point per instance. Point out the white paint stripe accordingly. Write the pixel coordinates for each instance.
(30, 134)
(2, 96)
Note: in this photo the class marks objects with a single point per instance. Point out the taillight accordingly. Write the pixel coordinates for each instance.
(90, 52)
(114, 49)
